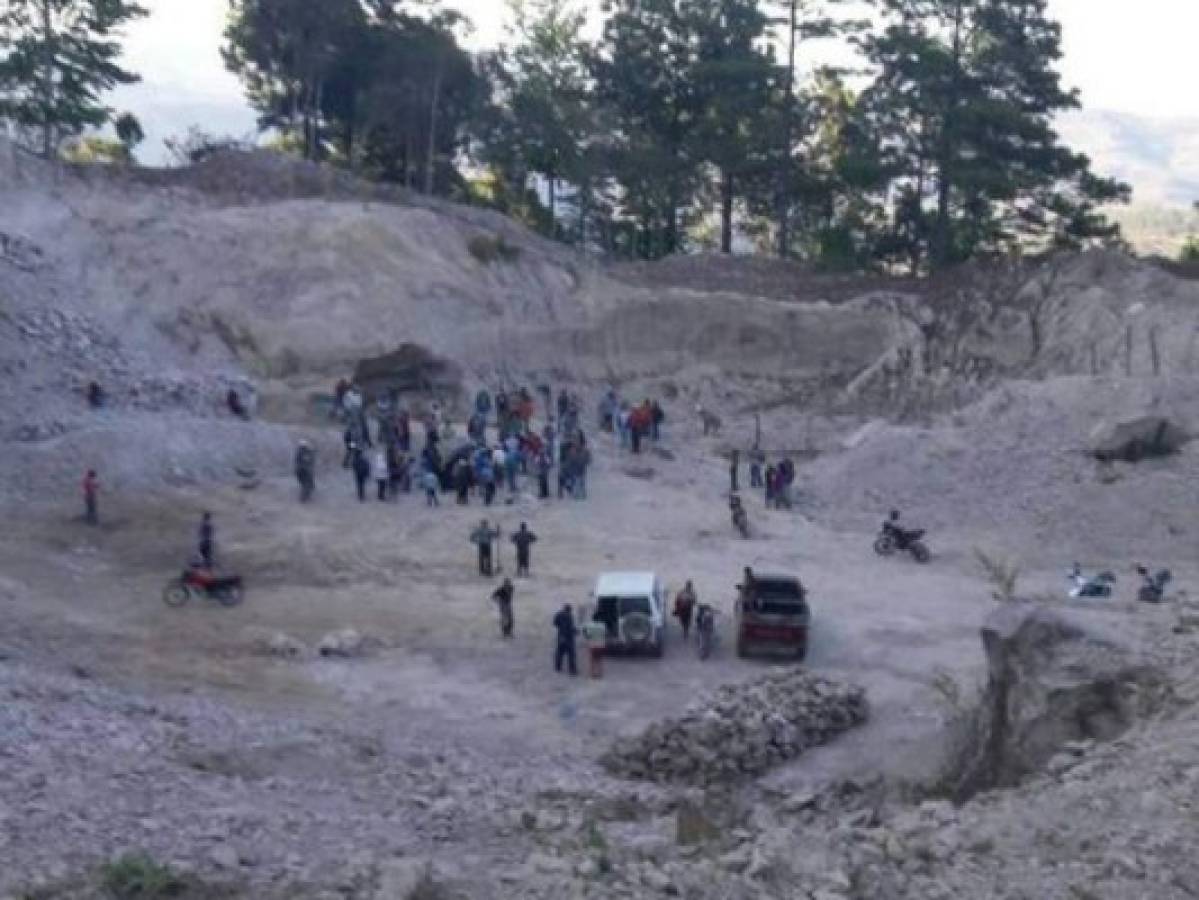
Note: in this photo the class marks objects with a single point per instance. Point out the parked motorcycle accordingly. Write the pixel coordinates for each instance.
(740, 518)
(196, 583)
(1082, 585)
(1153, 586)
(705, 629)
(893, 539)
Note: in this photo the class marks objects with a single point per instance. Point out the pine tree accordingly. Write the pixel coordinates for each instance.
(57, 58)
(964, 101)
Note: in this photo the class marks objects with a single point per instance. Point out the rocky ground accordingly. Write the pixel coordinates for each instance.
(221, 752)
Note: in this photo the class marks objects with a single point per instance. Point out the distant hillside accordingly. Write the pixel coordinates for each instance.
(1159, 157)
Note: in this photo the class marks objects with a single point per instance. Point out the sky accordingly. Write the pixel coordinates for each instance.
(1132, 58)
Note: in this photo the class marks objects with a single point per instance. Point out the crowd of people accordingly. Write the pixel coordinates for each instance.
(502, 448)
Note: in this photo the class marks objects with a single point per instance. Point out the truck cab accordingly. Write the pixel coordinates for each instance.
(772, 616)
(631, 605)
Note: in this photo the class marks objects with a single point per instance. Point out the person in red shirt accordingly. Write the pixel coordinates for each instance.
(91, 489)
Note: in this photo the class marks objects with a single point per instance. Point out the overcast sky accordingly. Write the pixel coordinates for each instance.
(1128, 56)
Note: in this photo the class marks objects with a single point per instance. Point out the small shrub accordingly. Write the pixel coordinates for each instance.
(487, 249)
(138, 877)
(1002, 574)
(964, 770)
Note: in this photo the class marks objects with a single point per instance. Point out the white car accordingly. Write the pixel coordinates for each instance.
(632, 606)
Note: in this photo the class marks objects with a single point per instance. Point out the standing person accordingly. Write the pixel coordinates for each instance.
(564, 624)
(362, 473)
(544, 464)
(432, 485)
(595, 636)
(734, 465)
(382, 473)
(524, 539)
(581, 464)
(657, 417)
(771, 484)
(684, 608)
(207, 541)
(483, 536)
(305, 466)
(91, 492)
(503, 598)
(757, 459)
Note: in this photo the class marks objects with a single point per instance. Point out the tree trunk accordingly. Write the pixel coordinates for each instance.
(784, 173)
(431, 153)
(47, 86)
(726, 213)
(947, 148)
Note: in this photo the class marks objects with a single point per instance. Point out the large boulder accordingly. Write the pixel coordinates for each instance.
(1051, 681)
(409, 369)
(1137, 439)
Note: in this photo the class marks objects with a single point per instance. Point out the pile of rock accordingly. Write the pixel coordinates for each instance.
(741, 730)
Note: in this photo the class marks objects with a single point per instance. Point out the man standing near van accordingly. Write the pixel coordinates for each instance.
(564, 624)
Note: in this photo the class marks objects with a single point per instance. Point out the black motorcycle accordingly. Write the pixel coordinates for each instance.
(1153, 586)
(893, 539)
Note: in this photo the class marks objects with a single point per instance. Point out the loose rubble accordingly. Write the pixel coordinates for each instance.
(742, 730)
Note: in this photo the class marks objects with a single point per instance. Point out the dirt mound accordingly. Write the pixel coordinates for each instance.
(1017, 465)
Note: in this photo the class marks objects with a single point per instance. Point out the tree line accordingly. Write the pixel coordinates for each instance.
(684, 123)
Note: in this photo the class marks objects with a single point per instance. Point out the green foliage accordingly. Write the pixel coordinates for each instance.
(1190, 251)
(489, 249)
(57, 57)
(1002, 574)
(963, 110)
(138, 877)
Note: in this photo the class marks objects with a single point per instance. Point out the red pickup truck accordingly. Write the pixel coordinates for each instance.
(772, 616)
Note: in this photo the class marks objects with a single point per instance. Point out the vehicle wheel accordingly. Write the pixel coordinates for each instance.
(884, 546)
(230, 596)
(920, 553)
(176, 593)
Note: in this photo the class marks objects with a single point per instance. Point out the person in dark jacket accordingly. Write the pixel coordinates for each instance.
(91, 491)
(503, 598)
(734, 465)
(235, 405)
(524, 539)
(362, 473)
(207, 541)
(564, 624)
(305, 467)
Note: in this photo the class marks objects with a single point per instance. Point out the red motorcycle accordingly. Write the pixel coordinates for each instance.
(203, 583)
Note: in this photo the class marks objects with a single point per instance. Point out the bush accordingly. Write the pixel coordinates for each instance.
(487, 249)
(964, 769)
(138, 877)
(1002, 574)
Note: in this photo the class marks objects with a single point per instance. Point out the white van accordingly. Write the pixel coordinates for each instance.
(632, 605)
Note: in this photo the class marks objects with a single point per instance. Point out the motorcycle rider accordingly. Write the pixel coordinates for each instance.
(207, 541)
